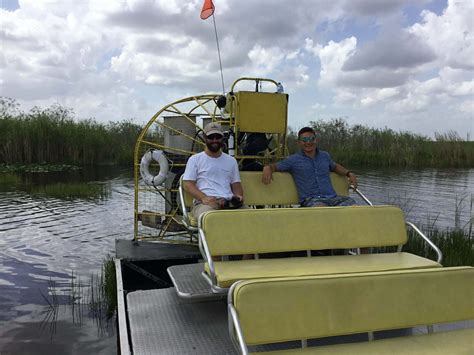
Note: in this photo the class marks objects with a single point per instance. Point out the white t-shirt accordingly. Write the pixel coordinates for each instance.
(213, 176)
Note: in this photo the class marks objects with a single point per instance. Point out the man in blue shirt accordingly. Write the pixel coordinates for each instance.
(310, 169)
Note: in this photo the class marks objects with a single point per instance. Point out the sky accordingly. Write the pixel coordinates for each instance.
(402, 64)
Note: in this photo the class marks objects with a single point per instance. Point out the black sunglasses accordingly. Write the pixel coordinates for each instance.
(214, 137)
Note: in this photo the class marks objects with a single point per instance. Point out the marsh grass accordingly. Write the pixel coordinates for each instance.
(109, 285)
(71, 191)
(51, 317)
(52, 135)
(456, 246)
(9, 179)
(96, 299)
(362, 145)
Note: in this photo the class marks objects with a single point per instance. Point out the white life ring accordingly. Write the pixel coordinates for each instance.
(160, 158)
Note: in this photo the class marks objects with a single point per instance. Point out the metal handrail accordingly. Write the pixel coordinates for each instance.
(234, 324)
(257, 80)
(366, 200)
(182, 203)
(420, 233)
(207, 253)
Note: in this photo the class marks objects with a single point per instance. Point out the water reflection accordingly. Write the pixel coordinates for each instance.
(46, 239)
(430, 197)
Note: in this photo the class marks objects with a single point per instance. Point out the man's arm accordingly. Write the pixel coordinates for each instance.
(190, 187)
(340, 170)
(237, 190)
(268, 171)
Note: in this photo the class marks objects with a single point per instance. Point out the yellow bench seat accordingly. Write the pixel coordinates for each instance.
(451, 342)
(281, 192)
(279, 310)
(228, 272)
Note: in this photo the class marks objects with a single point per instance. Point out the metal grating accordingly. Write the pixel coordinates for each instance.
(190, 283)
(162, 323)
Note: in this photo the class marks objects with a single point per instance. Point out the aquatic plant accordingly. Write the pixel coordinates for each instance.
(96, 300)
(50, 319)
(8, 179)
(36, 168)
(71, 191)
(109, 285)
(456, 246)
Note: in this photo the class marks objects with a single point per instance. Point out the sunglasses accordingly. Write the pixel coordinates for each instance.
(214, 137)
(307, 139)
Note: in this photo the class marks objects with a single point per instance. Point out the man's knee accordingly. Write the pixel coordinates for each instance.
(200, 209)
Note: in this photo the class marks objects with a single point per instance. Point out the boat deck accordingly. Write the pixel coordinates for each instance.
(161, 322)
(157, 320)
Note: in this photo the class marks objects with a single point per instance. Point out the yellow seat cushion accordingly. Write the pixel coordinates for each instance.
(228, 272)
(442, 343)
(286, 309)
(269, 230)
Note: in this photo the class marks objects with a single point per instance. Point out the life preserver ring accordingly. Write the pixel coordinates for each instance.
(160, 158)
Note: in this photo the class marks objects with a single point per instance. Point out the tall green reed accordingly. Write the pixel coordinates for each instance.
(52, 135)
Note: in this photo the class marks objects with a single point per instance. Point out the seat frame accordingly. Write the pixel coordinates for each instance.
(212, 278)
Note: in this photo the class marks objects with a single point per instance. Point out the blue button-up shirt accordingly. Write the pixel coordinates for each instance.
(311, 175)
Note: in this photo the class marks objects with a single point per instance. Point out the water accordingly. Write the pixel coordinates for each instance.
(45, 239)
(429, 197)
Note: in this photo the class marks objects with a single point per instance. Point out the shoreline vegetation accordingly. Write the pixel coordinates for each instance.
(52, 136)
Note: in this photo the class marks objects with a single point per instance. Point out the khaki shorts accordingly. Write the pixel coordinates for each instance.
(200, 208)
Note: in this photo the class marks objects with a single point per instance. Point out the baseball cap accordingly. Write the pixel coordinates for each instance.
(213, 128)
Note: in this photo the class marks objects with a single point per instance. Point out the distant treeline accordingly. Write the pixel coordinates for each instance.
(364, 146)
(53, 136)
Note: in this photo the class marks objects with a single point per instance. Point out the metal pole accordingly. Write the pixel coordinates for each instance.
(219, 53)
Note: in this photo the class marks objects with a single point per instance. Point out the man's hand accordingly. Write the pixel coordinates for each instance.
(267, 174)
(240, 197)
(210, 201)
(353, 180)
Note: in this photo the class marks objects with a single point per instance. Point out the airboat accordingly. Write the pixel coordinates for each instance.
(175, 297)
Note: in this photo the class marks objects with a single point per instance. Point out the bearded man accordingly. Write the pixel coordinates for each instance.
(212, 176)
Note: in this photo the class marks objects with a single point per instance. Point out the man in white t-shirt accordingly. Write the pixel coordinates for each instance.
(212, 177)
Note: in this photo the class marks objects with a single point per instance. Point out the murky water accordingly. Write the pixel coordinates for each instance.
(44, 240)
(429, 197)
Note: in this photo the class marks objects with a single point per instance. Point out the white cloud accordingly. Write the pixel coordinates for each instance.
(450, 35)
(117, 59)
(332, 57)
(265, 60)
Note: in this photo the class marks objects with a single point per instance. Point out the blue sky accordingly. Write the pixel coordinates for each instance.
(397, 63)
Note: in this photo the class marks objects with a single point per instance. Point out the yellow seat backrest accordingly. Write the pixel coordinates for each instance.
(261, 112)
(282, 190)
(278, 310)
(230, 232)
(340, 184)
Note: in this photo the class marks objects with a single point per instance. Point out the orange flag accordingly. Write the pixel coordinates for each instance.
(207, 9)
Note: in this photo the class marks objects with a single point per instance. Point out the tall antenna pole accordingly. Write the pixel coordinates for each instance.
(219, 53)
